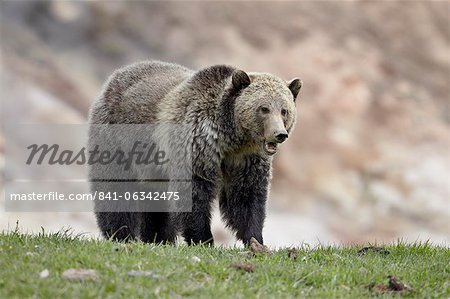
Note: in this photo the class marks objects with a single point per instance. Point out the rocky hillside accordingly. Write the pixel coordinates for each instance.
(369, 158)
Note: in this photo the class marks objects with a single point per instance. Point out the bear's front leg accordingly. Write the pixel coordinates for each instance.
(197, 224)
(243, 197)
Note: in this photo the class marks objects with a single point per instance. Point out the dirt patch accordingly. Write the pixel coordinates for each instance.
(394, 286)
(292, 253)
(379, 250)
(247, 267)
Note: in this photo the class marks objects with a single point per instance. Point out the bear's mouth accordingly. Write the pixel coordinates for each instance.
(270, 147)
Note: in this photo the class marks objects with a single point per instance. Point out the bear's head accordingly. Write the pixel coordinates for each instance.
(265, 108)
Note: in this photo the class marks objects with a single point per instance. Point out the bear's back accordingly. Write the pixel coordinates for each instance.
(132, 94)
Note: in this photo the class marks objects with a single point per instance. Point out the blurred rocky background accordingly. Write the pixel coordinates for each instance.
(369, 159)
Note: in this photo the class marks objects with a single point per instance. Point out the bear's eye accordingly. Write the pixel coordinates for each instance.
(283, 112)
(265, 110)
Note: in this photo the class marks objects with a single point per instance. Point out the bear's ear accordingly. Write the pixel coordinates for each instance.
(240, 80)
(294, 85)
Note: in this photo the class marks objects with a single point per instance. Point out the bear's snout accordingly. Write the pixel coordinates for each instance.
(281, 136)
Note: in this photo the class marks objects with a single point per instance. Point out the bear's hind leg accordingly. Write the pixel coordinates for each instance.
(157, 227)
(197, 224)
(119, 226)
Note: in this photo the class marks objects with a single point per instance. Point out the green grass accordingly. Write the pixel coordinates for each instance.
(323, 272)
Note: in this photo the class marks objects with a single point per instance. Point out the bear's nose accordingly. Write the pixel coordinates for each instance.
(281, 136)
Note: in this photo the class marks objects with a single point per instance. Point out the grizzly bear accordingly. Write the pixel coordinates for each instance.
(238, 120)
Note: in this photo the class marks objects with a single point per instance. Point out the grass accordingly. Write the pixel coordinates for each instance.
(202, 272)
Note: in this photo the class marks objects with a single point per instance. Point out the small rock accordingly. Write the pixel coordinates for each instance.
(247, 267)
(195, 259)
(142, 273)
(44, 273)
(80, 274)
